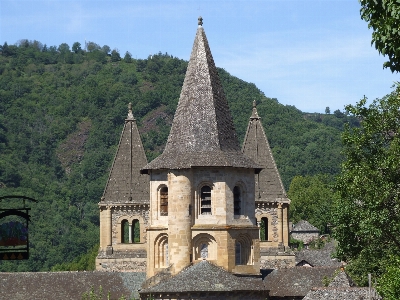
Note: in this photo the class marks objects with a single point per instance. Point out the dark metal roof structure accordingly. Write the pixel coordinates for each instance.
(202, 132)
(269, 187)
(125, 183)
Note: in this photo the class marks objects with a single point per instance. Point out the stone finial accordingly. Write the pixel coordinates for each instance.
(200, 19)
(254, 115)
(130, 114)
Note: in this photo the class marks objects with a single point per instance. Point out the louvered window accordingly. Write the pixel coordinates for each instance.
(205, 200)
(164, 201)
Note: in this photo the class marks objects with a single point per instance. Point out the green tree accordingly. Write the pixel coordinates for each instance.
(366, 215)
(106, 49)
(63, 48)
(389, 282)
(383, 16)
(128, 57)
(311, 199)
(76, 47)
(115, 55)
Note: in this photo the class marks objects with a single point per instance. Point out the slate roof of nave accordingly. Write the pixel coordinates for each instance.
(125, 183)
(205, 276)
(202, 132)
(269, 187)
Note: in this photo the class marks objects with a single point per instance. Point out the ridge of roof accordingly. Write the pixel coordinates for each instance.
(125, 184)
(269, 186)
(202, 132)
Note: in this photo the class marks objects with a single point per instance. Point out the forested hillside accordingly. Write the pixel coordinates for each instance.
(61, 114)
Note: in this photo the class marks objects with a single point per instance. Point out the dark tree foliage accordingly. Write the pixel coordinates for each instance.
(383, 16)
(61, 115)
(366, 215)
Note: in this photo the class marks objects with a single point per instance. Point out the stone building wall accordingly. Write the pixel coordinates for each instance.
(306, 237)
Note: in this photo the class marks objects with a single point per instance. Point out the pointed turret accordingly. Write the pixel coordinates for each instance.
(125, 183)
(269, 187)
(202, 133)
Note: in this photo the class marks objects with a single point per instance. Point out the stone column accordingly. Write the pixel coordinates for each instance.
(109, 226)
(179, 219)
(130, 233)
(286, 225)
(280, 224)
(105, 227)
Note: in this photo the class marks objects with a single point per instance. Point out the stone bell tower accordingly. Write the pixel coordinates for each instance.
(202, 187)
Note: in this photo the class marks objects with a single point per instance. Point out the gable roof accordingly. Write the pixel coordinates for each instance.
(295, 282)
(203, 277)
(269, 187)
(125, 184)
(304, 226)
(202, 132)
(341, 280)
(318, 257)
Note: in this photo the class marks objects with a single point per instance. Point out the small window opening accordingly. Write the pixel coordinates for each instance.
(125, 231)
(264, 229)
(205, 205)
(164, 201)
(136, 231)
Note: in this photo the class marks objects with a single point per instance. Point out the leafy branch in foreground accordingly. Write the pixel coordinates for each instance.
(366, 215)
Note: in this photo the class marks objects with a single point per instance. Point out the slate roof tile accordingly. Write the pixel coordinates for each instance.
(269, 187)
(202, 132)
(205, 276)
(125, 183)
(297, 281)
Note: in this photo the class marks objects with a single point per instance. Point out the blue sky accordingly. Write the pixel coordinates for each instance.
(307, 53)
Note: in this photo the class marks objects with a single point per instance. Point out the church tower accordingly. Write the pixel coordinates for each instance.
(272, 203)
(202, 186)
(124, 206)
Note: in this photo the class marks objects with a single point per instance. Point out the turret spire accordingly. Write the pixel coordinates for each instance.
(202, 133)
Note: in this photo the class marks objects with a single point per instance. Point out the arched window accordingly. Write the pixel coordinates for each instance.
(237, 201)
(205, 200)
(161, 259)
(243, 250)
(164, 201)
(264, 229)
(125, 231)
(238, 253)
(136, 231)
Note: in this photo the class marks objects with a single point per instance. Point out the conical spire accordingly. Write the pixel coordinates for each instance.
(202, 133)
(125, 183)
(269, 185)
